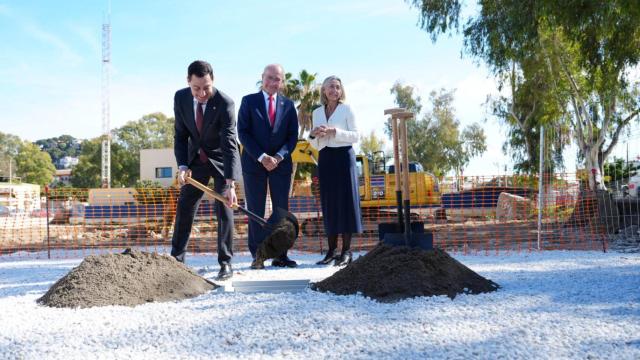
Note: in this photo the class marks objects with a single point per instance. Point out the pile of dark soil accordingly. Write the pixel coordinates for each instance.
(131, 278)
(390, 274)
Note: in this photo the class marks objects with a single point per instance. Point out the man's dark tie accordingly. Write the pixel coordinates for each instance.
(199, 121)
(272, 111)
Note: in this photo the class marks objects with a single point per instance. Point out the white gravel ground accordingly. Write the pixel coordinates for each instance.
(551, 305)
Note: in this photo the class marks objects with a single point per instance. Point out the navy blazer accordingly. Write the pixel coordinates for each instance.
(218, 137)
(257, 136)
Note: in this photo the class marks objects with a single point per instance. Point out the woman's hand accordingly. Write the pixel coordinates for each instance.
(330, 131)
(319, 131)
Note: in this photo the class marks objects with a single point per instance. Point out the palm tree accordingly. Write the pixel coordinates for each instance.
(305, 93)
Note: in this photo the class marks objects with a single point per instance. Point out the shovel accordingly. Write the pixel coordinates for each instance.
(282, 226)
(408, 237)
(397, 227)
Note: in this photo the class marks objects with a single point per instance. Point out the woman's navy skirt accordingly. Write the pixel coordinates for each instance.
(339, 193)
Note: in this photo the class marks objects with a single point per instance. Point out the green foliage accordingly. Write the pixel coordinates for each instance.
(59, 147)
(587, 47)
(404, 98)
(304, 171)
(438, 17)
(87, 173)
(9, 148)
(150, 192)
(371, 145)
(33, 165)
(305, 92)
(435, 140)
(151, 131)
(125, 166)
(618, 169)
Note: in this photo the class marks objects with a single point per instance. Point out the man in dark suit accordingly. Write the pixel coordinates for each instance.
(268, 130)
(205, 147)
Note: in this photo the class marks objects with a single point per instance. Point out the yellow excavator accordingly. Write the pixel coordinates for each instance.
(377, 185)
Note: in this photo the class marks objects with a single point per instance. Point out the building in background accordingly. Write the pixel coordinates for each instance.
(62, 176)
(67, 162)
(158, 165)
(20, 198)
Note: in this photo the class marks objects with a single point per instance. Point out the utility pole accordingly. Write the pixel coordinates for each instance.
(106, 106)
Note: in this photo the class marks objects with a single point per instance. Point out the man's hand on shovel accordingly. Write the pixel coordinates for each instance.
(183, 174)
(230, 194)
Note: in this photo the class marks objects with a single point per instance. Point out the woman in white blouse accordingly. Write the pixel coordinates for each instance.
(334, 132)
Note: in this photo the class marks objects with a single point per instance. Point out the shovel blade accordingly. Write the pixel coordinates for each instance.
(394, 227)
(279, 214)
(415, 240)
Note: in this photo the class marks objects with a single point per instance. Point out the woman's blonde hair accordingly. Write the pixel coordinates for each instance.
(323, 97)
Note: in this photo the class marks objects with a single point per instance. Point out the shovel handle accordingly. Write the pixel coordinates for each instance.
(223, 200)
(210, 192)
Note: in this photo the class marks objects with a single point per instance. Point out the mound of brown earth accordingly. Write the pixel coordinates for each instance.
(390, 274)
(129, 279)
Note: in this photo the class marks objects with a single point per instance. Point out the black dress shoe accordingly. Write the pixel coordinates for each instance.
(328, 258)
(284, 262)
(257, 264)
(226, 272)
(179, 258)
(345, 258)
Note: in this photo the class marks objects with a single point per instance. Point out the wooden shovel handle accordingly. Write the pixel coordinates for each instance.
(209, 191)
(396, 151)
(405, 159)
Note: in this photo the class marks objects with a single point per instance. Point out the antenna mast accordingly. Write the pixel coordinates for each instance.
(106, 106)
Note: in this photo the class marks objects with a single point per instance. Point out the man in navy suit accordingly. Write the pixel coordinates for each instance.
(268, 130)
(205, 147)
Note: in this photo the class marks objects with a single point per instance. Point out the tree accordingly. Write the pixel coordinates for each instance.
(532, 104)
(435, 140)
(405, 99)
(34, 165)
(306, 94)
(371, 144)
(125, 166)
(9, 148)
(589, 45)
(372, 147)
(88, 172)
(151, 131)
(59, 147)
(619, 170)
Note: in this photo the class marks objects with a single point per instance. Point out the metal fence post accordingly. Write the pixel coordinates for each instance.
(540, 188)
(46, 196)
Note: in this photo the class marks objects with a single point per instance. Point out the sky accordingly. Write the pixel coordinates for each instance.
(50, 63)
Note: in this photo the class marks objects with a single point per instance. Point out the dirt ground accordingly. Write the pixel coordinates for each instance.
(390, 274)
(468, 236)
(129, 278)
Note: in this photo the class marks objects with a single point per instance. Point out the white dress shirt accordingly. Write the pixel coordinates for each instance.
(343, 120)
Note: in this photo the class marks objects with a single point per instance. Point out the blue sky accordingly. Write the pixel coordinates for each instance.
(50, 70)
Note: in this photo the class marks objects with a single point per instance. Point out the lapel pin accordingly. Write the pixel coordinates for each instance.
(214, 108)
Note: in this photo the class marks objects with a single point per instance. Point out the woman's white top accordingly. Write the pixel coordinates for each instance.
(343, 120)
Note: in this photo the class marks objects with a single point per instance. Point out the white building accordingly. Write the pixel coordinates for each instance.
(67, 162)
(21, 198)
(158, 165)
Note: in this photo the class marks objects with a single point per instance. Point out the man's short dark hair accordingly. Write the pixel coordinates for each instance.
(200, 68)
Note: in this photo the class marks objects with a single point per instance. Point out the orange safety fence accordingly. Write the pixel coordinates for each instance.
(475, 215)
